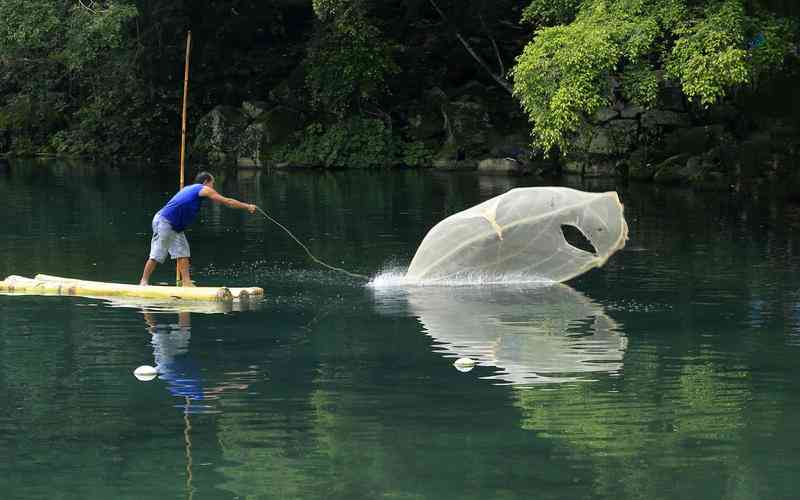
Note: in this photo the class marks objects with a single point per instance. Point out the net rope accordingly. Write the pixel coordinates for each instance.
(311, 255)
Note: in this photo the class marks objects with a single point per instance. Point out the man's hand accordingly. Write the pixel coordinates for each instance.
(251, 208)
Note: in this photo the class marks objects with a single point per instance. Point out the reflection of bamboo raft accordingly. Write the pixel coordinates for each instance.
(44, 284)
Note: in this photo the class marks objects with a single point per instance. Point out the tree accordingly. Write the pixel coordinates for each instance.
(708, 47)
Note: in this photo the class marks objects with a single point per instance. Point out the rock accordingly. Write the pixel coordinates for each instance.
(604, 115)
(639, 165)
(755, 155)
(436, 97)
(467, 126)
(631, 111)
(292, 91)
(671, 97)
(659, 117)
(602, 142)
(721, 113)
(695, 166)
(503, 166)
(673, 170)
(591, 166)
(472, 91)
(749, 158)
(714, 181)
(452, 165)
(424, 121)
(452, 157)
(600, 168)
(252, 109)
(574, 167)
(615, 138)
(279, 127)
(515, 146)
(694, 140)
(641, 171)
(219, 134)
(249, 151)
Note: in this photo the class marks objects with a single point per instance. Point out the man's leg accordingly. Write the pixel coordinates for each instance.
(183, 270)
(149, 267)
(179, 250)
(158, 248)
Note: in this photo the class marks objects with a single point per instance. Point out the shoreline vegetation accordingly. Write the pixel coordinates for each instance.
(702, 93)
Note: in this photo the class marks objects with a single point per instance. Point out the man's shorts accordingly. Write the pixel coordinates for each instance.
(166, 240)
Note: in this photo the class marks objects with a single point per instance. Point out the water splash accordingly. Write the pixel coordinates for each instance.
(396, 278)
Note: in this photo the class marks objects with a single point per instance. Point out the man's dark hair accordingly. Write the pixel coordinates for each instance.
(202, 177)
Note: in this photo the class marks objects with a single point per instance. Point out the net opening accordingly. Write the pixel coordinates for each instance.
(577, 239)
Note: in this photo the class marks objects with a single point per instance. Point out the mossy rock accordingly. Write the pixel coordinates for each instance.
(639, 165)
(673, 170)
(278, 127)
(714, 181)
(468, 127)
(424, 120)
(219, 134)
(614, 138)
(693, 140)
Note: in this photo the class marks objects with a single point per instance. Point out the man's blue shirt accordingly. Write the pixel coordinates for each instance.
(182, 209)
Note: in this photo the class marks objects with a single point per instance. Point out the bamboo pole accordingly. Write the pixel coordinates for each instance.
(185, 95)
(183, 126)
(237, 293)
(18, 284)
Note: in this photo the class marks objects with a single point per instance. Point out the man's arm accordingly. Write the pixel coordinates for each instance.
(214, 196)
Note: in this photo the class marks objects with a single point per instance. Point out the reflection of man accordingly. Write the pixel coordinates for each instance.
(176, 367)
(171, 354)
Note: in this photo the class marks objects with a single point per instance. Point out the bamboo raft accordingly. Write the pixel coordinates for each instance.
(55, 285)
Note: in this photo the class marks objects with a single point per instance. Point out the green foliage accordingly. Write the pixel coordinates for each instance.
(355, 143)
(115, 121)
(550, 12)
(93, 35)
(563, 75)
(416, 154)
(71, 86)
(30, 118)
(771, 43)
(348, 61)
(710, 57)
(31, 26)
(640, 84)
(727, 48)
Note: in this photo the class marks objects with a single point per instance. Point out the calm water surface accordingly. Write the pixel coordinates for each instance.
(669, 373)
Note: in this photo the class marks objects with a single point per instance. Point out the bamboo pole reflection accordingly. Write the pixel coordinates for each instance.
(187, 438)
(182, 376)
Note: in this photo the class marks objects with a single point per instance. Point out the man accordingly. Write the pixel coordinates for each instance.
(177, 214)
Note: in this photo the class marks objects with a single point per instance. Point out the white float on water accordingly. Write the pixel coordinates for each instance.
(145, 373)
(464, 364)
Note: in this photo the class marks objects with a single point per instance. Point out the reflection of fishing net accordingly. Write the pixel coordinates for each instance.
(540, 334)
(519, 235)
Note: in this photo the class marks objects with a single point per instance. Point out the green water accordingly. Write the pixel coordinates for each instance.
(669, 373)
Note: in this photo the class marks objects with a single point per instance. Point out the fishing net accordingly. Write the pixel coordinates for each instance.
(519, 236)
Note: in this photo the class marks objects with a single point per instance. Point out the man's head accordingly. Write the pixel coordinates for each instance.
(205, 179)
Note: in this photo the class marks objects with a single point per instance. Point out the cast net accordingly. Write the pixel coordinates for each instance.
(519, 236)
